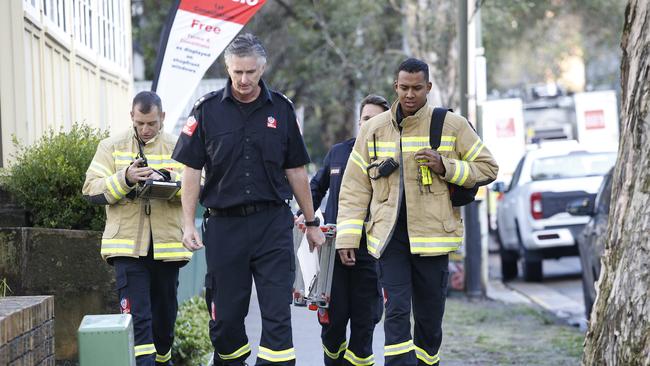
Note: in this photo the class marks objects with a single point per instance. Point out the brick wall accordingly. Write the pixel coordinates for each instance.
(27, 331)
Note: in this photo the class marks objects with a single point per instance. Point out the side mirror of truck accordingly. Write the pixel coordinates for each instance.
(581, 207)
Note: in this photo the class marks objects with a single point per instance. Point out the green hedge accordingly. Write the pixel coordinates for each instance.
(192, 338)
(46, 178)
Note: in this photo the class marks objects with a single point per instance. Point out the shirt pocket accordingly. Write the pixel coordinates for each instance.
(274, 147)
(220, 147)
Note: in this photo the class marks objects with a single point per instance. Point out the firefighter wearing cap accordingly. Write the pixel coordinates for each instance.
(142, 237)
(246, 138)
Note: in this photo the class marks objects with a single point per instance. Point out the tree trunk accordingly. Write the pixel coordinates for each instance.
(429, 34)
(619, 332)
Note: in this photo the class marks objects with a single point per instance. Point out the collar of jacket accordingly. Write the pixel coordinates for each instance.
(153, 139)
(264, 92)
(412, 119)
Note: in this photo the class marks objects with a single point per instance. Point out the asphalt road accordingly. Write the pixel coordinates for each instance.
(306, 335)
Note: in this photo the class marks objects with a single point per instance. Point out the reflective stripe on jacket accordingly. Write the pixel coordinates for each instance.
(434, 226)
(128, 228)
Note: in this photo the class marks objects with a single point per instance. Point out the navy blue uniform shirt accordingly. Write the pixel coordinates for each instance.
(244, 147)
(330, 177)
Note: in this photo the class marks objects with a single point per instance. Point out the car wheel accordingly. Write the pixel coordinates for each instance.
(589, 302)
(532, 267)
(509, 268)
(509, 259)
(532, 270)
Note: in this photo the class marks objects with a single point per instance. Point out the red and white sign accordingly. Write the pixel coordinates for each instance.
(505, 127)
(195, 36)
(503, 133)
(597, 118)
(594, 119)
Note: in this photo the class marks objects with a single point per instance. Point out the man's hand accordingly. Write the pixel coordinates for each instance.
(135, 173)
(315, 237)
(156, 176)
(431, 159)
(191, 238)
(298, 219)
(347, 256)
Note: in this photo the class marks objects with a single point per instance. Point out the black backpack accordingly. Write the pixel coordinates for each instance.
(460, 196)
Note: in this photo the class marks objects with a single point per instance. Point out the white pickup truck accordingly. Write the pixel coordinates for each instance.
(532, 220)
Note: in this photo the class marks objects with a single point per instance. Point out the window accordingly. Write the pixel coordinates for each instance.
(99, 25)
(32, 6)
(82, 11)
(112, 32)
(516, 174)
(573, 165)
(55, 11)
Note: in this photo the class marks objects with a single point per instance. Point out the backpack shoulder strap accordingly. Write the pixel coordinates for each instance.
(435, 129)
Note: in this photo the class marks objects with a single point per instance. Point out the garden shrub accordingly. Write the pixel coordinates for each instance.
(46, 178)
(192, 339)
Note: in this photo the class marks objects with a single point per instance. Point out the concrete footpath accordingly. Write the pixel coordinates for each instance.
(560, 292)
(504, 329)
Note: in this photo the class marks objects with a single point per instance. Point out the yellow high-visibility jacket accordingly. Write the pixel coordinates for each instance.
(434, 226)
(128, 227)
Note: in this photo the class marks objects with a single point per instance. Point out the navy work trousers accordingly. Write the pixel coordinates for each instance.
(417, 281)
(239, 249)
(355, 297)
(147, 290)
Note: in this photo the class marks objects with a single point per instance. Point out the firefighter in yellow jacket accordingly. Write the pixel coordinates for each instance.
(142, 237)
(399, 186)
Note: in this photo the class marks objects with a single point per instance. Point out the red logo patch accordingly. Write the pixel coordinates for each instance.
(323, 316)
(271, 122)
(125, 306)
(190, 126)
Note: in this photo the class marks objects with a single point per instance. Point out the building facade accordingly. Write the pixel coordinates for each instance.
(63, 61)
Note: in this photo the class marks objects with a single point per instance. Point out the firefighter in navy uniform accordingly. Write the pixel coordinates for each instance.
(355, 295)
(142, 237)
(247, 139)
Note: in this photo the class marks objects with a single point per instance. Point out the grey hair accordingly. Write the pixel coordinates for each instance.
(245, 45)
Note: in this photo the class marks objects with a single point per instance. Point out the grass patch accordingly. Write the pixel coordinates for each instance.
(569, 341)
(493, 333)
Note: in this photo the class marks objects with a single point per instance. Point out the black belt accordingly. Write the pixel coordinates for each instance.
(242, 210)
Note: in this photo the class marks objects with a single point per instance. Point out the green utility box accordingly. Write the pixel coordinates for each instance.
(106, 340)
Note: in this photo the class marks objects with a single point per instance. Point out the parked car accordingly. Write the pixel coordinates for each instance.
(591, 241)
(532, 222)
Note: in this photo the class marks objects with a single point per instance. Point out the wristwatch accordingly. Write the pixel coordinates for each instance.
(314, 222)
